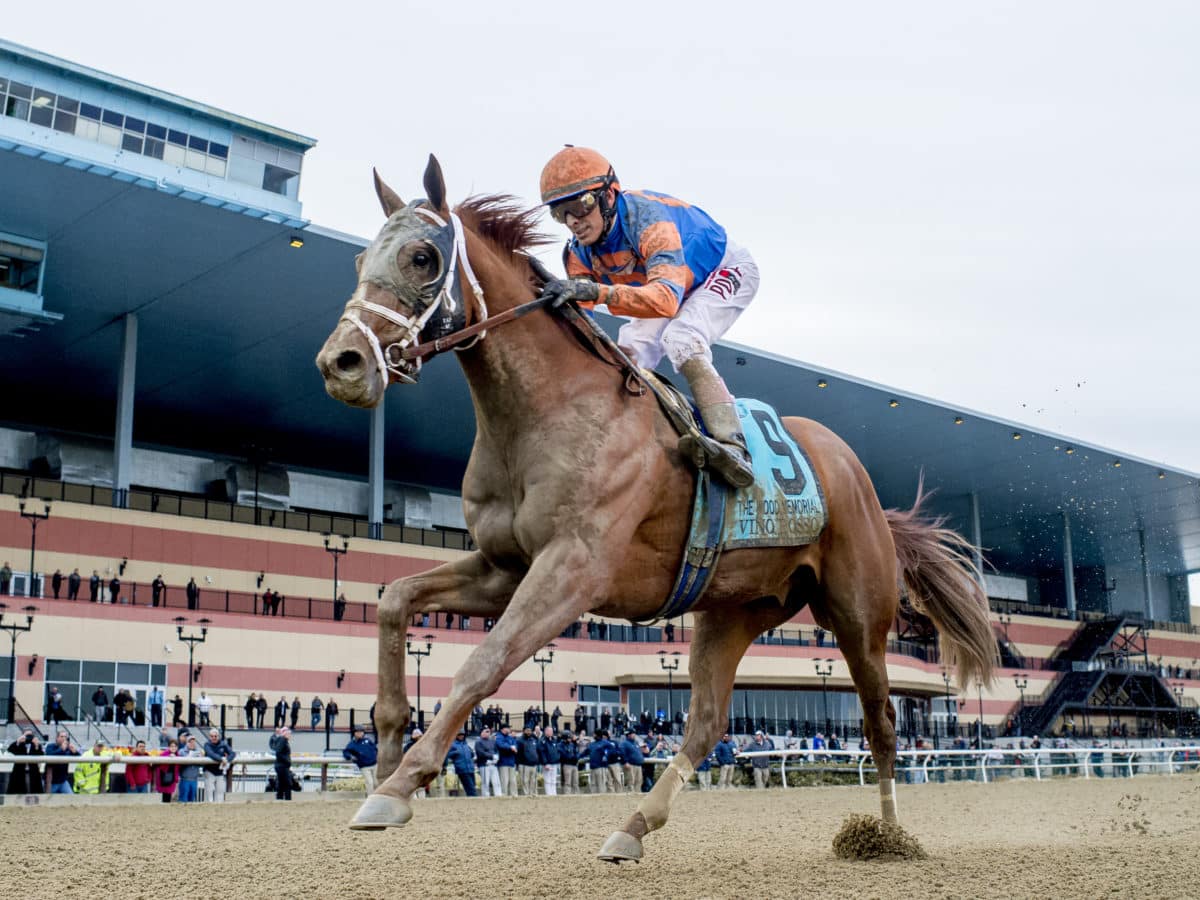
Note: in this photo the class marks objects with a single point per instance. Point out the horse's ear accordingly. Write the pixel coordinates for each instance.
(388, 199)
(435, 184)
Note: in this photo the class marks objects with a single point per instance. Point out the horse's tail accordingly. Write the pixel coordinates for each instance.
(945, 583)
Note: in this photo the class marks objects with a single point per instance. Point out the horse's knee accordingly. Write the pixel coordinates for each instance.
(394, 605)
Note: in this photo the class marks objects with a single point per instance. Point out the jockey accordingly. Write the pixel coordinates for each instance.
(668, 267)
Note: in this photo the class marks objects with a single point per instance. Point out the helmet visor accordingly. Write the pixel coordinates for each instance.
(577, 206)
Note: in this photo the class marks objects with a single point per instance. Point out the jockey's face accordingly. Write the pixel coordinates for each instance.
(588, 229)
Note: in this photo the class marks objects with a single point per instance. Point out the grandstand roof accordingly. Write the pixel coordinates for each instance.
(231, 316)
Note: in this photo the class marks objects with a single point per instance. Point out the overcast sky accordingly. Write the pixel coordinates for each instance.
(996, 205)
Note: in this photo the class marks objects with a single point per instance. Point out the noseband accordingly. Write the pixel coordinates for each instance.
(393, 361)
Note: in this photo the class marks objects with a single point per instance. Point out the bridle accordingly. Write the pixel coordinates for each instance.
(395, 362)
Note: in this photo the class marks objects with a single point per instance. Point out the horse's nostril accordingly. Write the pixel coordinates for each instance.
(349, 360)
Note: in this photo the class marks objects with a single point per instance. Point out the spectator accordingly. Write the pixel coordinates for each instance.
(555, 716)
(598, 752)
(176, 711)
(506, 766)
(339, 607)
(166, 778)
(260, 709)
(5, 578)
(704, 771)
(761, 764)
(88, 774)
(217, 749)
(94, 587)
(189, 773)
(669, 631)
(60, 777)
(130, 708)
(114, 589)
(548, 758)
(100, 703)
(316, 706)
(296, 712)
(528, 761)
(158, 591)
(633, 757)
(725, 752)
(55, 712)
(156, 706)
(137, 775)
(615, 767)
(73, 582)
(461, 757)
(193, 601)
(250, 707)
(25, 778)
(331, 713)
(204, 707)
(486, 758)
(568, 758)
(364, 755)
(281, 746)
(281, 712)
(56, 581)
(579, 718)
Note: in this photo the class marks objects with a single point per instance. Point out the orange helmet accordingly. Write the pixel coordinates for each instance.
(574, 170)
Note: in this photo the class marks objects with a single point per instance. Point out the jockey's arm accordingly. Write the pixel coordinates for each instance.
(667, 277)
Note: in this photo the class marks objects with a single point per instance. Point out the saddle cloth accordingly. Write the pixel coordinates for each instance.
(784, 507)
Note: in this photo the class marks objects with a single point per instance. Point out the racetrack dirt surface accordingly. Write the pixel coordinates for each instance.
(1112, 837)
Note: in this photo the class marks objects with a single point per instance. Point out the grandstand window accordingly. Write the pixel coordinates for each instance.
(153, 148)
(88, 111)
(114, 119)
(78, 680)
(20, 266)
(280, 181)
(132, 143)
(41, 111)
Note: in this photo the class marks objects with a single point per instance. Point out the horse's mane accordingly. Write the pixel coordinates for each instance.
(500, 219)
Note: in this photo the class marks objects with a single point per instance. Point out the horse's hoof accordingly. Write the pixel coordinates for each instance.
(621, 847)
(380, 811)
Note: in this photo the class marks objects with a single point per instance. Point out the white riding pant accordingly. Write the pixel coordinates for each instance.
(490, 782)
(707, 313)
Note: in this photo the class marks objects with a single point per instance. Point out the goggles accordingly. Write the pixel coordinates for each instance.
(578, 206)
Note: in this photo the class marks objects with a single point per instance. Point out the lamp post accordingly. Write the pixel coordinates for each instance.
(191, 640)
(824, 670)
(670, 668)
(542, 662)
(419, 654)
(34, 518)
(949, 706)
(1022, 682)
(13, 630)
(337, 553)
(1005, 621)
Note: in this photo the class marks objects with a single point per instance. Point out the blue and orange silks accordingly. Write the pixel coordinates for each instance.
(658, 250)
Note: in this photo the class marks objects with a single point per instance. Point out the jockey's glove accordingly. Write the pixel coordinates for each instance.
(559, 290)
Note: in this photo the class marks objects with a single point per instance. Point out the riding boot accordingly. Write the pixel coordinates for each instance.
(725, 453)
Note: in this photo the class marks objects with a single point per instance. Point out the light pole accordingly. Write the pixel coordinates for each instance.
(1005, 621)
(337, 552)
(670, 668)
(946, 681)
(419, 654)
(542, 662)
(34, 518)
(191, 640)
(13, 630)
(824, 670)
(1022, 682)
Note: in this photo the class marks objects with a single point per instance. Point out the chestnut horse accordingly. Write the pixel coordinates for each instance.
(579, 502)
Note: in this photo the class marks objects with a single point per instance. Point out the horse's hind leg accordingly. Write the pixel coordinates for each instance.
(719, 640)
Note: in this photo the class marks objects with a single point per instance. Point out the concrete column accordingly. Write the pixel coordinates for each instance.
(976, 532)
(375, 468)
(126, 382)
(1068, 563)
(1147, 605)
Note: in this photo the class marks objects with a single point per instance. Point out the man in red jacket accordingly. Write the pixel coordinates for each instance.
(137, 775)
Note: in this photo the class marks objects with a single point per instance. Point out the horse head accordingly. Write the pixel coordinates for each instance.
(408, 290)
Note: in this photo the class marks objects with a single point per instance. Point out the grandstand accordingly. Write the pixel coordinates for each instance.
(161, 299)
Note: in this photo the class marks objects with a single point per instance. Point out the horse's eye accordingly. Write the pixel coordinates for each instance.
(420, 259)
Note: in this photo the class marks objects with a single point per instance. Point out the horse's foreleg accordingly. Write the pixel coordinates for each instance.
(719, 640)
(469, 586)
(557, 589)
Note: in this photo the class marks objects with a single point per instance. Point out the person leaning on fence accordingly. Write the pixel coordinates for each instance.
(92, 777)
(568, 759)
(598, 752)
(217, 749)
(189, 773)
(726, 754)
(761, 764)
(166, 778)
(316, 706)
(527, 761)
(364, 754)
(281, 745)
(506, 766)
(486, 758)
(137, 775)
(60, 777)
(632, 755)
